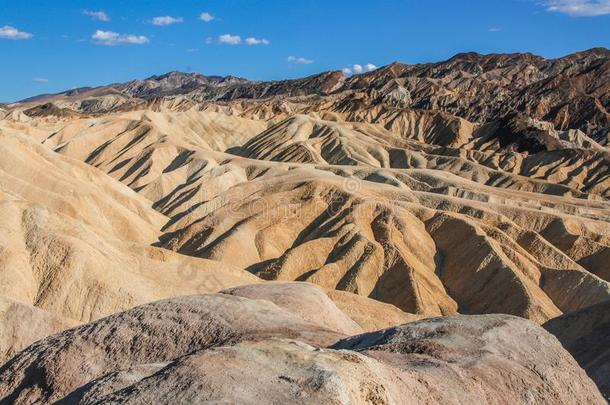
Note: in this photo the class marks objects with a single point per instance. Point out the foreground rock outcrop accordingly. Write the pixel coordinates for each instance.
(225, 347)
(153, 333)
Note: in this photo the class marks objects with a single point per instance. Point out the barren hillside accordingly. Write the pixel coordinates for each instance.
(461, 196)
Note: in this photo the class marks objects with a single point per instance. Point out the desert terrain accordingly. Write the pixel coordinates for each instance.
(430, 233)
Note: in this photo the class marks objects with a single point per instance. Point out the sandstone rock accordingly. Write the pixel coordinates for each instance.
(484, 358)
(306, 300)
(191, 350)
(369, 314)
(153, 333)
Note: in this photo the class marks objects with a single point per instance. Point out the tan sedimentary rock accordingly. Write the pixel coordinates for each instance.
(221, 347)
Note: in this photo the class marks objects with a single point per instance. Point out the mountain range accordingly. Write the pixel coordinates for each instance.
(435, 233)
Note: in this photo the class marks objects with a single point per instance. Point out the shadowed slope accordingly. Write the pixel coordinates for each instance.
(585, 334)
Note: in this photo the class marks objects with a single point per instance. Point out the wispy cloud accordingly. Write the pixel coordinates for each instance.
(8, 32)
(257, 41)
(40, 80)
(299, 60)
(97, 15)
(357, 69)
(110, 38)
(207, 17)
(166, 20)
(494, 29)
(579, 8)
(230, 39)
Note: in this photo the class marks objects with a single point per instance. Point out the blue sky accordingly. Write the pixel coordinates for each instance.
(50, 46)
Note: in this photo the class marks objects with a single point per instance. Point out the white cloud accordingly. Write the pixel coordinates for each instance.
(97, 15)
(369, 67)
(8, 32)
(166, 20)
(299, 60)
(113, 38)
(229, 39)
(40, 80)
(357, 69)
(207, 17)
(494, 29)
(579, 8)
(257, 41)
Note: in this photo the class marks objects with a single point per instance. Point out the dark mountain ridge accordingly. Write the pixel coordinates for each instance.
(571, 92)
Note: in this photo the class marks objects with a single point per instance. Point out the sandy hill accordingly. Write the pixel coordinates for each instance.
(77, 246)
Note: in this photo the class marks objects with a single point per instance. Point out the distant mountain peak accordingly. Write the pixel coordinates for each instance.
(214, 87)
